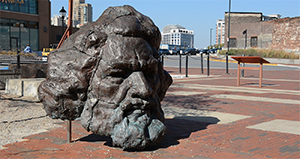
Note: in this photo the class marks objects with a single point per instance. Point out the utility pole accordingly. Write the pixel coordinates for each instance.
(228, 39)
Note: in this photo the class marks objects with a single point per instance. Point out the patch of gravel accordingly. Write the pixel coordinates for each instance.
(20, 117)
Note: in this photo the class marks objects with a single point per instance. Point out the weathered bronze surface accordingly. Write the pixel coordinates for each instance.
(109, 74)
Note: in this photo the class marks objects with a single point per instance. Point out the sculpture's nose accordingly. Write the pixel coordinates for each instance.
(140, 86)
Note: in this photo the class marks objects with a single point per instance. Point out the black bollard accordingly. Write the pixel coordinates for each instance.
(207, 64)
(201, 63)
(179, 62)
(243, 65)
(227, 62)
(18, 59)
(186, 65)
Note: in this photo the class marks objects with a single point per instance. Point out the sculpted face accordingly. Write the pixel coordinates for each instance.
(125, 86)
(114, 79)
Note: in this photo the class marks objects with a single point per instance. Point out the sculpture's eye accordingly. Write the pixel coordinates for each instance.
(151, 75)
(119, 73)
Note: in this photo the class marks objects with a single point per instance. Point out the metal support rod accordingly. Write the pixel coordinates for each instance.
(179, 63)
(207, 64)
(69, 129)
(202, 63)
(186, 65)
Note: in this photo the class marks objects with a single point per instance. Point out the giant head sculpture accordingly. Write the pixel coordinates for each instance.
(109, 74)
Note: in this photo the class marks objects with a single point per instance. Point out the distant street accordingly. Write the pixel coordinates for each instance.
(195, 61)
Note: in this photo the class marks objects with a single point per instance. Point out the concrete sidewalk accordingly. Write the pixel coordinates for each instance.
(206, 116)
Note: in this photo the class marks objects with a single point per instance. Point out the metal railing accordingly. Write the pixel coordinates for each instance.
(181, 57)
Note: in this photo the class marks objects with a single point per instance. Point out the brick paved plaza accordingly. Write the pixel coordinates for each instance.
(206, 116)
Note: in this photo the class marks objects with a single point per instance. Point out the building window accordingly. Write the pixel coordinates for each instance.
(4, 34)
(253, 42)
(26, 33)
(232, 42)
(219, 39)
(28, 6)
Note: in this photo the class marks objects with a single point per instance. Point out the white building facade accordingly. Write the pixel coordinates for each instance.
(82, 13)
(177, 36)
(56, 20)
(220, 31)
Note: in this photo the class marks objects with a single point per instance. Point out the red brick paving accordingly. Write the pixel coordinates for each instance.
(191, 139)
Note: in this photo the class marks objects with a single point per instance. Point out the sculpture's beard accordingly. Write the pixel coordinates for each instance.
(132, 124)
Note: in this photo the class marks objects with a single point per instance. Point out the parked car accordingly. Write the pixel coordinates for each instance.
(204, 51)
(176, 51)
(212, 51)
(163, 52)
(173, 52)
(191, 51)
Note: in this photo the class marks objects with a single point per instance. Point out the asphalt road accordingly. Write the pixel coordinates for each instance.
(195, 61)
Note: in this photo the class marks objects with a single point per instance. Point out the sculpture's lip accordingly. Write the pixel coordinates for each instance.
(136, 106)
(137, 103)
(140, 107)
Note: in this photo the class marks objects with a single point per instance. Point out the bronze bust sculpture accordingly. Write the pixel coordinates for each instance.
(109, 74)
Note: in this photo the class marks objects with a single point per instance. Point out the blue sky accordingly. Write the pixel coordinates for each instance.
(197, 15)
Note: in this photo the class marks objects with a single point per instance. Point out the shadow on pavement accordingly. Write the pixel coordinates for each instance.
(177, 128)
(196, 102)
(181, 128)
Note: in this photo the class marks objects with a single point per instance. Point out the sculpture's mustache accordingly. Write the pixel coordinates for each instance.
(134, 103)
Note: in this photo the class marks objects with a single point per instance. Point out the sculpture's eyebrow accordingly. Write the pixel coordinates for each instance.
(152, 64)
(119, 65)
(128, 65)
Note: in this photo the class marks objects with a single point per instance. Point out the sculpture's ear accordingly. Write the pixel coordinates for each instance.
(165, 82)
(96, 39)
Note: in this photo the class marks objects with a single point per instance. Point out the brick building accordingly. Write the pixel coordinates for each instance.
(28, 23)
(262, 31)
(24, 23)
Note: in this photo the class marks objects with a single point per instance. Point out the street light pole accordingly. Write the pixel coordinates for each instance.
(63, 14)
(210, 36)
(245, 32)
(228, 39)
(62, 25)
(243, 65)
(69, 28)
